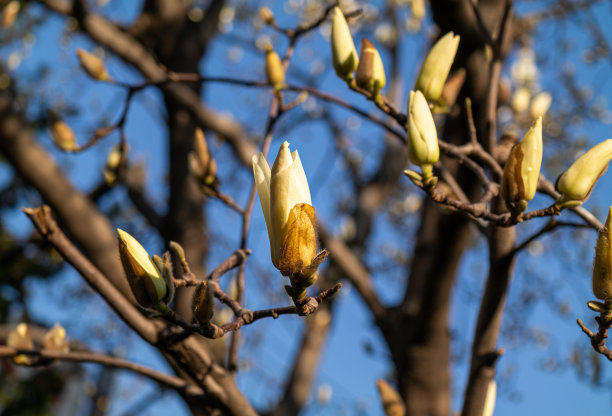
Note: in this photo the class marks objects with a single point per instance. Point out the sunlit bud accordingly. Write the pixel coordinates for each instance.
(201, 164)
(9, 14)
(422, 136)
(602, 265)
(61, 133)
(436, 67)
(274, 68)
(520, 100)
(55, 339)
(392, 402)
(266, 15)
(540, 104)
(370, 73)
(202, 303)
(577, 182)
(144, 278)
(93, 65)
(290, 217)
(111, 169)
(20, 339)
(344, 54)
(489, 405)
(520, 179)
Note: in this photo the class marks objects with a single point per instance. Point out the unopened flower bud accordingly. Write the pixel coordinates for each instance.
(540, 104)
(144, 278)
(20, 339)
(423, 147)
(520, 100)
(55, 339)
(577, 182)
(436, 67)
(10, 13)
(274, 68)
(203, 302)
(602, 265)
(113, 161)
(266, 15)
(202, 165)
(344, 54)
(370, 73)
(61, 133)
(392, 402)
(520, 179)
(93, 65)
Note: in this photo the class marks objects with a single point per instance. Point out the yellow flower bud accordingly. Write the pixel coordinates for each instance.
(274, 68)
(520, 180)
(392, 402)
(436, 67)
(10, 13)
(93, 65)
(520, 100)
(290, 217)
(540, 104)
(55, 339)
(577, 182)
(422, 136)
(144, 278)
(602, 265)
(20, 339)
(266, 15)
(111, 169)
(61, 133)
(370, 73)
(202, 303)
(201, 164)
(344, 54)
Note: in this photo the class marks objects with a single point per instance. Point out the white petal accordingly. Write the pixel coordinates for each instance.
(261, 171)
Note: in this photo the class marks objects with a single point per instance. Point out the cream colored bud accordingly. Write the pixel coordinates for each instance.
(144, 278)
(290, 217)
(602, 265)
(370, 73)
(392, 402)
(203, 302)
(10, 13)
(20, 339)
(63, 136)
(266, 15)
(540, 104)
(93, 65)
(111, 169)
(274, 68)
(577, 182)
(422, 136)
(344, 54)
(436, 67)
(520, 100)
(55, 339)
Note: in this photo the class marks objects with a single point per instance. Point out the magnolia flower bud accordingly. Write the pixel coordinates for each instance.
(111, 169)
(602, 265)
(202, 303)
(344, 55)
(422, 136)
(520, 100)
(61, 133)
(55, 339)
(577, 182)
(436, 67)
(266, 15)
(370, 73)
(10, 13)
(520, 180)
(20, 339)
(201, 164)
(144, 278)
(290, 217)
(93, 65)
(274, 68)
(392, 402)
(540, 104)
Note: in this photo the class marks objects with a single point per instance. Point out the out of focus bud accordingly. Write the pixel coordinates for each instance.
(602, 265)
(144, 278)
(344, 55)
(201, 164)
(577, 182)
(520, 179)
(489, 405)
(61, 133)
(10, 13)
(55, 339)
(393, 405)
(266, 15)
(423, 147)
(93, 65)
(274, 68)
(436, 67)
(202, 303)
(112, 167)
(520, 100)
(370, 73)
(20, 339)
(540, 104)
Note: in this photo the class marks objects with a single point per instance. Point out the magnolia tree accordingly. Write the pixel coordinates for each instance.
(458, 168)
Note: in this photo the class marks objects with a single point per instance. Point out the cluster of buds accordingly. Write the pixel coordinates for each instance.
(150, 279)
(202, 165)
(21, 339)
(62, 135)
(520, 179)
(423, 149)
(274, 69)
(290, 219)
(92, 65)
(436, 67)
